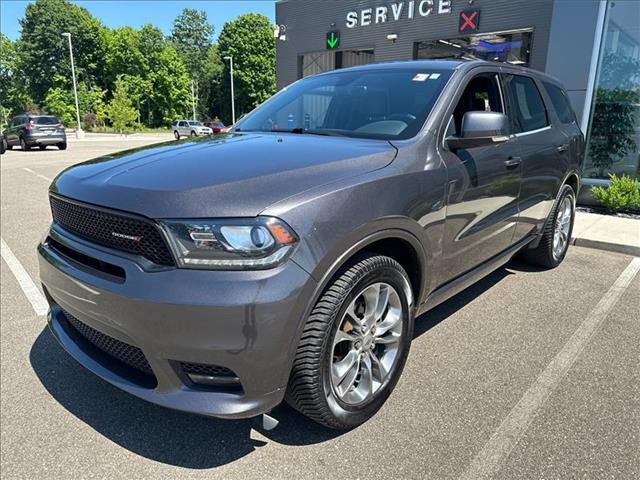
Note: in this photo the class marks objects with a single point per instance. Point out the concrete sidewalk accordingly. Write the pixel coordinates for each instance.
(607, 232)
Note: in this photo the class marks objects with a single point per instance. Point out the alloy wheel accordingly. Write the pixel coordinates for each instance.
(366, 344)
(562, 227)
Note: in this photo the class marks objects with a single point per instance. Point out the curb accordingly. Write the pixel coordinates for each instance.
(609, 247)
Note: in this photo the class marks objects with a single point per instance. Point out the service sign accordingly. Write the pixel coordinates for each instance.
(394, 12)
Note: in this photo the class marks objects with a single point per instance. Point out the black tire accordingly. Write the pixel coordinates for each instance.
(62, 146)
(310, 389)
(176, 134)
(543, 255)
(23, 145)
(3, 146)
(193, 133)
(42, 147)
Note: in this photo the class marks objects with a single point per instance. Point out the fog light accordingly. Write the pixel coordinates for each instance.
(213, 380)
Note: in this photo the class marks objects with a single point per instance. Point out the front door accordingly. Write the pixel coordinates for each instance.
(483, 185)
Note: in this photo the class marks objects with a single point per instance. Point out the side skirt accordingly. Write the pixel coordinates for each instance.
(448, 290)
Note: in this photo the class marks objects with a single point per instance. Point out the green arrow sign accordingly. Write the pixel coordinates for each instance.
(333, 40)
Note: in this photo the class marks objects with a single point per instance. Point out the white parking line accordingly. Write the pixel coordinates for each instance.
(29, 288)
(37, 174)
(496, 451)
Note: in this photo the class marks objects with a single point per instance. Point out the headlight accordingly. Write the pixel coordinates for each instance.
(230, 244)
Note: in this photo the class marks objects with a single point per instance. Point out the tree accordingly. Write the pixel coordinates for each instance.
(13, 95)
(210, 84)
(120, 109)
(191, 35)
(249, 40)
(44, 53)
(124, 54)
(171, 97)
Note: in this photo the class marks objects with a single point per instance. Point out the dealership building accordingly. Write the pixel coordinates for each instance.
(592, 46)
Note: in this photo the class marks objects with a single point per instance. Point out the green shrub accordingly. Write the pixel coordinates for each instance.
(622, 194)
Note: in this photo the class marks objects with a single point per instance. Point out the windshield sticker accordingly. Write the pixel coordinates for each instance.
(420, 77)
(434, 76)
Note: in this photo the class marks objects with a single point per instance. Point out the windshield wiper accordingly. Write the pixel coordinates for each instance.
(302, 131)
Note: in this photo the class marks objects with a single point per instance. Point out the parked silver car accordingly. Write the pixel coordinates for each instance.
(189, 128)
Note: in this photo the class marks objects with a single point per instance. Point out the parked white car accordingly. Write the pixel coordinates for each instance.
(189, 128)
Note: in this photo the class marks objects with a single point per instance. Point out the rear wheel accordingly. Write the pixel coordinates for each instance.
(62, 146)
(43, 147)
(23, 145)
(354, 344)
(556, 237)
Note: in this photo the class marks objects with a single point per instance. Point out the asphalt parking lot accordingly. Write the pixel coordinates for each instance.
(527, 375)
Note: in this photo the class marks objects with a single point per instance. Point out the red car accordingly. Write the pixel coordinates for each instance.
(216, 126)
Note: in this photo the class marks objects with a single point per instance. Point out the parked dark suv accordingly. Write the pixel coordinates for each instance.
(28, 131)
(288, 259)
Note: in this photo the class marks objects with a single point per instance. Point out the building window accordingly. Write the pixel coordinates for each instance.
(613, 135)
(511, 47)
(315, 63)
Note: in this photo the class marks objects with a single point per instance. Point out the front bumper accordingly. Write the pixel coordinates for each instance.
(244, 321)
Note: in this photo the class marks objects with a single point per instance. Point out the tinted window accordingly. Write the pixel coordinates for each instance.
(195, 124)
(560, 103)
(529, 110)
(376, 103)
(48, 120)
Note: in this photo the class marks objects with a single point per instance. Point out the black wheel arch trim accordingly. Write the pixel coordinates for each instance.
(341, 260)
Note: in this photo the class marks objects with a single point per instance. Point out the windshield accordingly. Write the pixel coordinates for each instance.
(218, 124)
(380, 104)
(45, 120)
(195, 124)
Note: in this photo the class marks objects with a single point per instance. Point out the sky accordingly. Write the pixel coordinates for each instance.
(135, 13)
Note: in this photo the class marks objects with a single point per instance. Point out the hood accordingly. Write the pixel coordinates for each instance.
(238, 175)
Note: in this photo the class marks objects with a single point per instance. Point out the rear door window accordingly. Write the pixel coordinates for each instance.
(529, 112)
(560, 103)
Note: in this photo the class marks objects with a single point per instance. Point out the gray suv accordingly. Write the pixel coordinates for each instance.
(27, 131)
(289, 258)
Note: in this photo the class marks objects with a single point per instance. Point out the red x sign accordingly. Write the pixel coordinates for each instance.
(469, 19)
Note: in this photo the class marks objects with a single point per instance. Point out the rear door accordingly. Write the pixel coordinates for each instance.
(541, 144)
(483, 183)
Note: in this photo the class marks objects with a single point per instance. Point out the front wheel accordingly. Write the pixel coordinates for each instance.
(556, 236)
(23, 145)
(193, 134)
(62, 146)
(176, 134)
(354, 345)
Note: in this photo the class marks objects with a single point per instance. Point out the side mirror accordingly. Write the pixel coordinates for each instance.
(481, 129)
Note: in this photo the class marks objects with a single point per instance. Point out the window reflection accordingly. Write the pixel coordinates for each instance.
(614, 130)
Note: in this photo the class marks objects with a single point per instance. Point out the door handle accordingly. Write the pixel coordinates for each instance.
(512, 162)
(562, 148)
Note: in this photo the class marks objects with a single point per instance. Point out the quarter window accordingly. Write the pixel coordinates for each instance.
(529, 112)
(560, 103)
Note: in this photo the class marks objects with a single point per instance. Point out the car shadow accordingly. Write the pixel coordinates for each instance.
(182, 439)
(154, 432)
(430, 319)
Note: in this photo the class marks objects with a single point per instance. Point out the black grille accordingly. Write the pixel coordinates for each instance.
(206, 370)
(110, 228)
(127, 354)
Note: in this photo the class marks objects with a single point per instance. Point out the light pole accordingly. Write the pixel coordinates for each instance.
(79, 132)
(233, 98)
